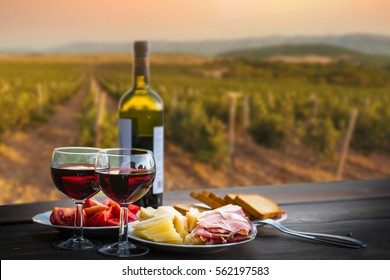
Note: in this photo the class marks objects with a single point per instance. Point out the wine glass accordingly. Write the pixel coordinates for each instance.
(124, 175)
(73, 173)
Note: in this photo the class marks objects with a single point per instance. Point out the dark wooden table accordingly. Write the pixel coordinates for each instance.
(360, 209)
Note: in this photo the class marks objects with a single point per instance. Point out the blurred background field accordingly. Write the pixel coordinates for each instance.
(290, 121)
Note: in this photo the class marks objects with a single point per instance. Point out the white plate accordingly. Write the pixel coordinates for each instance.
(192, 249)
(197, 249)
(44, 219)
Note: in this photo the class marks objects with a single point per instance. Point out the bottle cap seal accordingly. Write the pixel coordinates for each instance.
(141, 48)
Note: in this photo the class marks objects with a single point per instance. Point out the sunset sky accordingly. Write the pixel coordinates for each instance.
(47, 23)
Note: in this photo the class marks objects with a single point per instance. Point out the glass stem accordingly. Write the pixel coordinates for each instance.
(78, 221)
(123, 225)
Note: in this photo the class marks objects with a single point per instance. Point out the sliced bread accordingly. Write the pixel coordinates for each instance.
(229, 198)
(217, 198)
(205, 199)
(259, 206)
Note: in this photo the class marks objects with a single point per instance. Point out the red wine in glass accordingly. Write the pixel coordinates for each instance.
(125, 176)
(77, 181)
(73, 173)
(125, 185)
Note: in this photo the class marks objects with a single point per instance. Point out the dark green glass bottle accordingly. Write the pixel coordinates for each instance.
(141, 113)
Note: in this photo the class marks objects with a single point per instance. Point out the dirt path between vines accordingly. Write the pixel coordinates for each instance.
(25, 154)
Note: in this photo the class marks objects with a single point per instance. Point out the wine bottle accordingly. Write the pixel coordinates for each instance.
(141, 121)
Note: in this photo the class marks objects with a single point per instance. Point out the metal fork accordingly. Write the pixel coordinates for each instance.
(318, 237)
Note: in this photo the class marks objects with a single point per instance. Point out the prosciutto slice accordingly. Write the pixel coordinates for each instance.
(222, 225)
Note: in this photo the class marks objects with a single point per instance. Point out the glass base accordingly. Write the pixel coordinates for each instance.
(123, 250)
(75, 243)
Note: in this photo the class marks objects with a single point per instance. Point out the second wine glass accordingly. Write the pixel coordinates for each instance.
(124, 175)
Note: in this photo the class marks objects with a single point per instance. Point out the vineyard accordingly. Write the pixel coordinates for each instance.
(273, 122)
(276, 103)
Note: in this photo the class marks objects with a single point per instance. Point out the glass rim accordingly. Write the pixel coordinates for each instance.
(109, 151)
(63, 150)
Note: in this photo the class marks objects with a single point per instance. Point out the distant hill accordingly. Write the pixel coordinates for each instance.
(294, 50)
(305, 52)
(368, 43)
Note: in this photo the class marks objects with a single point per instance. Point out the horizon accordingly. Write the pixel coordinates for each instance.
(52, 49)
(217, 39)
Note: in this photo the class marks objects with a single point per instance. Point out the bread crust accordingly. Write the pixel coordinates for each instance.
(259, 206)
(205, 199)
(255, 206)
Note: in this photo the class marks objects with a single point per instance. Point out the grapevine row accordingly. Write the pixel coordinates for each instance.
(28, 91)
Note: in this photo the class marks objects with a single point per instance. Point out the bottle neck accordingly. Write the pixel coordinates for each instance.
(141, 72)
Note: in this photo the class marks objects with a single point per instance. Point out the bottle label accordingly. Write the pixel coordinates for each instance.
(125, 133)
(158, 150)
